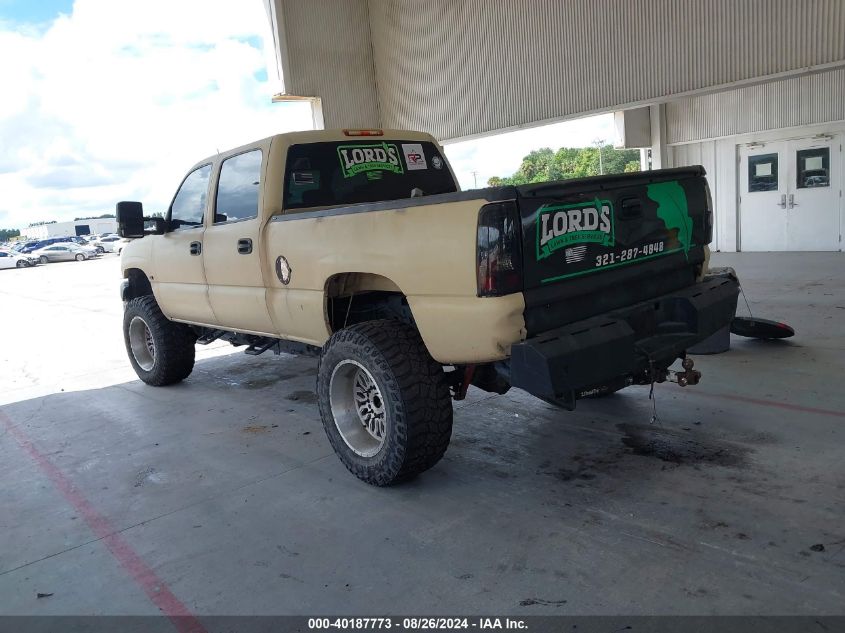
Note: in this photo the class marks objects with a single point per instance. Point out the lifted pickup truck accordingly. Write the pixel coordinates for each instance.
(357, 246)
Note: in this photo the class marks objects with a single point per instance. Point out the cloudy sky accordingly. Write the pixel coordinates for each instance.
(107, 100)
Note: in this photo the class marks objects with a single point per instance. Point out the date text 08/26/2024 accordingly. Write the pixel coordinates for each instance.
(417, 624)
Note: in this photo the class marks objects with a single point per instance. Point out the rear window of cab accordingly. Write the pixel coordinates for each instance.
(352, 172)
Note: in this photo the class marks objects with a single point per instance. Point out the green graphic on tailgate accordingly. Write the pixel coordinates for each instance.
(560, 225)
(587, 234)
(672, 208)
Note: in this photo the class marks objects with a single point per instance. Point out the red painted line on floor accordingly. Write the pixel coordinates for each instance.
(141, 573)
(767, 403)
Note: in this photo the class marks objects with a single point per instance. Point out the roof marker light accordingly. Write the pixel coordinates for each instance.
(363, 132)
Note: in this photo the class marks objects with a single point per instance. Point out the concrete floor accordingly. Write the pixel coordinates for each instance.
(222, 496)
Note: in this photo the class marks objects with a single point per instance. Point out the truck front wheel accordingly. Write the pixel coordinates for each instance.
(161, 352)
(384, 402)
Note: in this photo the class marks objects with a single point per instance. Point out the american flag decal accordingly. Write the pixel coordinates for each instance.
(575, 254)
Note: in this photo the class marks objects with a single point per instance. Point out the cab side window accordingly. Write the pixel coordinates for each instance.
(237, 189)
(188, 206)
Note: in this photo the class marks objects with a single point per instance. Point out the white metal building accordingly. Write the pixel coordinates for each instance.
(773, 153)
(70, 229)
(754, 90)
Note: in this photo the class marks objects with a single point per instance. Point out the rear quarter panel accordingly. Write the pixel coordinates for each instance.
(427, 251)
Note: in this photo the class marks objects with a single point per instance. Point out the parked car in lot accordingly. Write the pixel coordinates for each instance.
(107, 243)
(92, 250)
(118, 246)
(35, 245)
(88, 241)
(64, 252)
(28, 247)
(9, 259)
(28, 258)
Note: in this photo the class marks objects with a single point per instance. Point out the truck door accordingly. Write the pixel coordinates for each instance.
(179, 283)
(232, 247)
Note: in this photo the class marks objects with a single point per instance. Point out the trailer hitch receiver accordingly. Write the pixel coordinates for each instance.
(687, 377)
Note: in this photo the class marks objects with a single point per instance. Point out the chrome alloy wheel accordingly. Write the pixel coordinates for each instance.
(142, 344)
(357, 408)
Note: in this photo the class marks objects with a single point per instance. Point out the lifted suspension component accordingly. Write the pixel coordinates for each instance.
(461, 379)
(486, 377)
(255, 344)
(262, 346)
(207, 335)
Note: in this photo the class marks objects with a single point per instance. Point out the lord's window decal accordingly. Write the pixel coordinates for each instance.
(354, 172)
(368, 157)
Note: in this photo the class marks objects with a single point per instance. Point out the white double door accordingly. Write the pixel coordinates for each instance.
(789, 195)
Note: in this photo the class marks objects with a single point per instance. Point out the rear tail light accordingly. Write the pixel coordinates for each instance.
(708, 214)
(499, 257)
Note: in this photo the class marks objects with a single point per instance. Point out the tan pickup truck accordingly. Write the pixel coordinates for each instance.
(358, 246)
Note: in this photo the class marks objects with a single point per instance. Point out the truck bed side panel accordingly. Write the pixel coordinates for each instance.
(426, 250)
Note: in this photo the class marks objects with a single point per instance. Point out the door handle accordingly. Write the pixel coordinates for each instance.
(196, 248)
(792, 202)
(245, 246)
(782, 203)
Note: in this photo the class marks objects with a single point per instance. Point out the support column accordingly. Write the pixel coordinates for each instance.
(325, 56)
(659, 151)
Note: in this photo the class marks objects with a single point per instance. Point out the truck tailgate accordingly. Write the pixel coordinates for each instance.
(595, 244)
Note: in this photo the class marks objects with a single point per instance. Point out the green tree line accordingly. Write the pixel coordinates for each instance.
(7, 234)
(543, 165)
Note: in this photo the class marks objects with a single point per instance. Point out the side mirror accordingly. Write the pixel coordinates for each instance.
(157, 225)
(130, 219)
(132, 223)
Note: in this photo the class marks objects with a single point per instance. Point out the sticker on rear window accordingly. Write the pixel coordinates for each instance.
(365, 157)
(414, 157)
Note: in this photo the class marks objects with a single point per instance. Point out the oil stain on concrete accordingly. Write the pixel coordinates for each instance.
(680, 447)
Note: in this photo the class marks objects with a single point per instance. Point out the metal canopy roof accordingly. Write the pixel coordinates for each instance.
(461, 68)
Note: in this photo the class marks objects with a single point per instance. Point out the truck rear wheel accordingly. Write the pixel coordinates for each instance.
(384, 402)
(161, 352)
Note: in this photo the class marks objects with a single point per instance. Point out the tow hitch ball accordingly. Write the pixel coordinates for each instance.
(689, 376)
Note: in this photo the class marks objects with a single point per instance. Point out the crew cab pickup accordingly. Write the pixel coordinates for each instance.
(359, 247)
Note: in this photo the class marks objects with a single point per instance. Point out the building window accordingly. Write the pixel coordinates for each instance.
(813, 167)
(763, 172)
